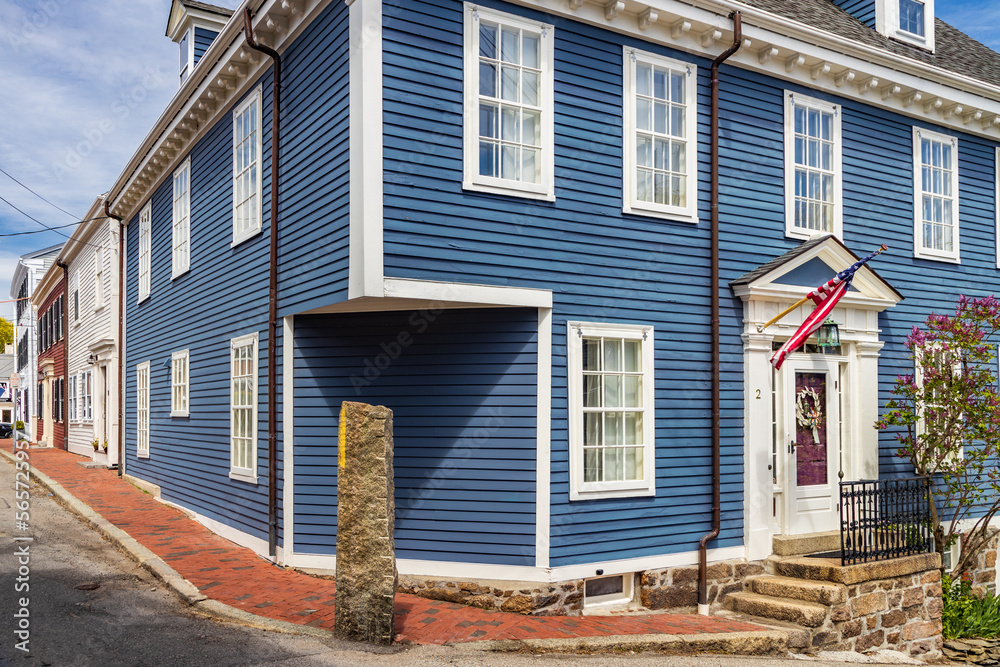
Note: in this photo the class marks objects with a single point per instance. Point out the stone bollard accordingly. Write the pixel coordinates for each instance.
(366, 555)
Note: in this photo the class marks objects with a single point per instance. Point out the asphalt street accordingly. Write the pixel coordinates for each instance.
(71, 599)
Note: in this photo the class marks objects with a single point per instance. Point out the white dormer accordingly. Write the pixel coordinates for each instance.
(193, 25)
(910, 21)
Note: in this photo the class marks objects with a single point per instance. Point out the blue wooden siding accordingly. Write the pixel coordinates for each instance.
(603, 265)
(203, 39)
(462, 386)
(224, 295)
(863, 10)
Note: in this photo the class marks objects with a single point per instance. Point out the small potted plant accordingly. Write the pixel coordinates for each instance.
(104, 446)
(96, 444)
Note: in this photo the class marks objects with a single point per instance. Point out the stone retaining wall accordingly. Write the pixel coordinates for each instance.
(983, 572)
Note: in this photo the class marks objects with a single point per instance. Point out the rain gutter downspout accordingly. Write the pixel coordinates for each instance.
(121, 337)
(272, 312)
(714, 289)
(65, 333)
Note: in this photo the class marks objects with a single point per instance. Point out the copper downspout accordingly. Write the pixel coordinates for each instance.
(714, 288)
(272, 311)
(65, 333)
(121, 337)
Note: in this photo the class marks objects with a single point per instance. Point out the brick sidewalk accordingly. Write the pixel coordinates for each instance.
(236, 576)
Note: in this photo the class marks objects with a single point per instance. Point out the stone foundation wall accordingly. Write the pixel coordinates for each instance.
(983, 572)
(668, 588)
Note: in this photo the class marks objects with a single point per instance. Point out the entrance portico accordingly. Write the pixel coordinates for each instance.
(810, 424)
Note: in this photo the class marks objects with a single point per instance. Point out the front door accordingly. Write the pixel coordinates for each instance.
(813, 443)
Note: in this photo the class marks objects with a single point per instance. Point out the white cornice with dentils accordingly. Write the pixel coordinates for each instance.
(794, 51)
(224, 73)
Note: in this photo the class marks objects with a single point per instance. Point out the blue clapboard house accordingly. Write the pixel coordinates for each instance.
(494, 218)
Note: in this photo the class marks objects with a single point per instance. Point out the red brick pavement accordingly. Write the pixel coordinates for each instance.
(238, 577)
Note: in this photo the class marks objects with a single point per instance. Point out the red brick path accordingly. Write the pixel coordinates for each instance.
(238, 577)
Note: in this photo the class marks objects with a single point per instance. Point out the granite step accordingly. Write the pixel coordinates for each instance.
(808, 590)
(800, 612)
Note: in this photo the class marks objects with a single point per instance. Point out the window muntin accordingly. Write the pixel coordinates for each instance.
(813, 171)
(182, 219)
(243, 408)
(508, 112)
(246, 168)
(611, 410)
(911, 17)
(935, 167)
(142, 410)
(660, 121)
(179, 383)
(145, 248)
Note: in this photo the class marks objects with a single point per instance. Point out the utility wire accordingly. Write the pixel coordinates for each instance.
(39, 231)
(36, 194)
(51, 229)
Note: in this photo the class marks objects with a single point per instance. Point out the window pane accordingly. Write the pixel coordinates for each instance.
(592, 431)
(660, 84)
(591, 391)
(593, 469)
(660, 118)
(612, 354)
(677, 127)
(633, 356)
(509, 84)
(643, 77)
(591, 354)
(529, 92)
(488, 80)
(643, 113)
(613, 391)
(633, 391)
(677, 88)
(510, 46)
(613, 464)
(531, 54)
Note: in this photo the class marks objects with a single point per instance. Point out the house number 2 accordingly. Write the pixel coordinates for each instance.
(758, 393)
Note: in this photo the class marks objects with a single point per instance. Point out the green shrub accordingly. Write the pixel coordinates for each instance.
(966, 614)
(19, 425)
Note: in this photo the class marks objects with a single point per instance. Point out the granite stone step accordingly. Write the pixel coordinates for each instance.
(821, 592)
(800, 612)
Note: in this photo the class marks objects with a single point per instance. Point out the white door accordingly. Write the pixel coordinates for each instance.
(812, 409)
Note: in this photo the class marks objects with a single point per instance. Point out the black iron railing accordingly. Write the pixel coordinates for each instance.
(884, 519)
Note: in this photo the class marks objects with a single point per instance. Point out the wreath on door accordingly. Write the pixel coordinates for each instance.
(809, 411)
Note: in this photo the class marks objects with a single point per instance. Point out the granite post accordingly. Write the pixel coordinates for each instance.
(366, 557)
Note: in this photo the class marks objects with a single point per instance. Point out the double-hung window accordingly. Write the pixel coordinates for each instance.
(179, 383)
(87, 396)
(660, 142)
(935, 190)
(182, 219)
(813, 172)
(76, 296)
(243, 408)
(246, 168)
(98, 278)
(145, 248)
(509, 125)
(610, 410)
(73, 407)
(909, 21)
(142, 410)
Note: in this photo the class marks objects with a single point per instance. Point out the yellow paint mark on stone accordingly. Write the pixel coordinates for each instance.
(342, 441)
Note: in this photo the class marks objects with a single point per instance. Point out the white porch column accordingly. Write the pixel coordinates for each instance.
(48, 369)
(757, 495)
(866, 412)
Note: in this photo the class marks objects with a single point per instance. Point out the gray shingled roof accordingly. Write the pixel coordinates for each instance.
(222, 11)
(954, 50)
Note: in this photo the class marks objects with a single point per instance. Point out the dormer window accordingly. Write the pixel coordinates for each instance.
(910, 21)
(187, 55)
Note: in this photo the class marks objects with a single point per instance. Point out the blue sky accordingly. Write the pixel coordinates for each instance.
(84, 82)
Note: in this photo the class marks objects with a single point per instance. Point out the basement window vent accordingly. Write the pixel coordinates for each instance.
(607, 590)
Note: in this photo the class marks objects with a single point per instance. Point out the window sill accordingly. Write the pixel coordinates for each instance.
(539, 194)
(237, 240)
(575, 495)
(929, 255)
(243, 477)
(662, 214)
(810, 234)
(142, 456)
(99, 308)
(175, 276)
(142, 299)
(180, 413)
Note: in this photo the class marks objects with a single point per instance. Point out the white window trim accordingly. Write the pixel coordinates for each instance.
(578, 489)
(75, 298)
(99, 279)
(252, 100)
(73, 410)
(87, 396)
(184, 76)
(791, 231)
(179, 269)
(887, 23)
(175, 410)
(918, 234)
(140, 405)
(630, 202)
(244, 474)
(472, 180)
(145, 230)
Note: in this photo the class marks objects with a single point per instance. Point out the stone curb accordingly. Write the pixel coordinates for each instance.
(155, 565)
(768, 642)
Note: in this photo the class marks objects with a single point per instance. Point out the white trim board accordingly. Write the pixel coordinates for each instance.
(456, 570)
(288, 434)
(543, 439)
(366, 266)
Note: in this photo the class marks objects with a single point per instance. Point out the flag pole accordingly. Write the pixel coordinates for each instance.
(761, 327)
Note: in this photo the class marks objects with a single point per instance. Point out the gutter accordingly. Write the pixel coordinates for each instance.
(714, 289)
(121, 336)
(65, 327)
(272, 301)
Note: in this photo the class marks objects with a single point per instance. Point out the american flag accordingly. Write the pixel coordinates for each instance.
(825, 297)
